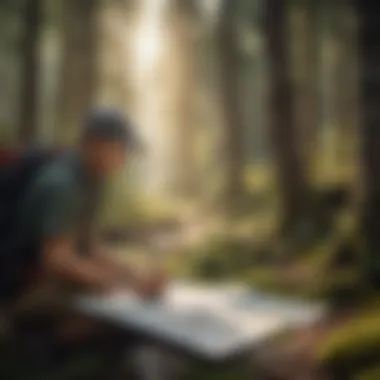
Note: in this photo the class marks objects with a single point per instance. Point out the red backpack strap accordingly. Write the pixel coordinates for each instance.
(8, 155)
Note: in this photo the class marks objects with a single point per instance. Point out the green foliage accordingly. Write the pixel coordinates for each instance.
(337, 287)
(221, 258)
(354, 345)
(371, 374)
(123, 204)
(311, 277)
(12, 5)
(6, 134)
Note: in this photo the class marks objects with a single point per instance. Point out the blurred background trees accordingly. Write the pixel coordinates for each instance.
(246, 104)
(259, 119)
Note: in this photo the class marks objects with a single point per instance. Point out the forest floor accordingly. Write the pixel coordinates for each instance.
(294, 358)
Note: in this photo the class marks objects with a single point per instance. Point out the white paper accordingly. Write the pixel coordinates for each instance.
(214, 322)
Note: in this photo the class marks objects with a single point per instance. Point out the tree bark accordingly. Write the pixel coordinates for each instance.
(306, 59)
(183, 61)
(114, 41)
(32, 20)
(346, 77)
(232, 145)
(291, 177)
(369, 100)
(79, 65)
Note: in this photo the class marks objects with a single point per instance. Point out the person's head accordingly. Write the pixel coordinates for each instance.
(106, 141)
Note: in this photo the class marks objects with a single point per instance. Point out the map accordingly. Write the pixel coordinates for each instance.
(214, 322)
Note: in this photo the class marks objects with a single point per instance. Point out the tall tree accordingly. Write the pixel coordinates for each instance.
(305, 39)
(32, 23)
(369, 92)
(233, 148)
(79, 64)
(114, 40)
(183, 61)
(164, 79)
(346, 76)
(292, 182)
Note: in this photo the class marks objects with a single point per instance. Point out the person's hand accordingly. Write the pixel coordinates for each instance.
(151, 286)
(107, 283)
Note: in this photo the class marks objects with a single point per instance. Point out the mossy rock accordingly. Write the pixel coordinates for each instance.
(354, 345)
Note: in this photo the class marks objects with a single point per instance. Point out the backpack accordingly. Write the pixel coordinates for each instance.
(17, 170)
(15, 175)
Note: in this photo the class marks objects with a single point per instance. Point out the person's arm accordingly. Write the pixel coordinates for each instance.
(106, 258)
(60, 259)
(148, 285)
(59, 256)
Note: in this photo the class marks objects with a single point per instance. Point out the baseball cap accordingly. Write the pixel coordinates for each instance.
(109, 124)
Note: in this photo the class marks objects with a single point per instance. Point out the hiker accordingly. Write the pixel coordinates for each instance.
(57, 254)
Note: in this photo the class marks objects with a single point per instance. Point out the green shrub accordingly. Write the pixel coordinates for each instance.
(371, 374)
(313, 282)
(221, 258)
(124, 204)
(338, 287)
(268, 279)
(354, 345)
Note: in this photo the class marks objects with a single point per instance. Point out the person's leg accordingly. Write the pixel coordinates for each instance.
(47, 327)
(51, 300)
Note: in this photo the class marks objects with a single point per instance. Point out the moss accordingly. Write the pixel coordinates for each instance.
(353, 345)
(371, 374)
(267, 279)
(121, 207)
(221, 258)
(341, 286)
(313, 283)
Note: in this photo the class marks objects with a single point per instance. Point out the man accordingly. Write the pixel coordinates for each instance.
(57, 236)
(56, 222)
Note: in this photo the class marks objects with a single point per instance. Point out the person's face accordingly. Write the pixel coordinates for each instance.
(105, 157)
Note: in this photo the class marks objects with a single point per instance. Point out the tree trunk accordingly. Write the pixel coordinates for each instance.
(369, 94)
(232, 145)
(346, 78)
(292, 183)
(32, 20)
(164, 80)
(79, 65)
(183, 61)
(114, 40)
(306, 57)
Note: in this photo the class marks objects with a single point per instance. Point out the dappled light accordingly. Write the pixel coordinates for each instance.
(198, 176)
